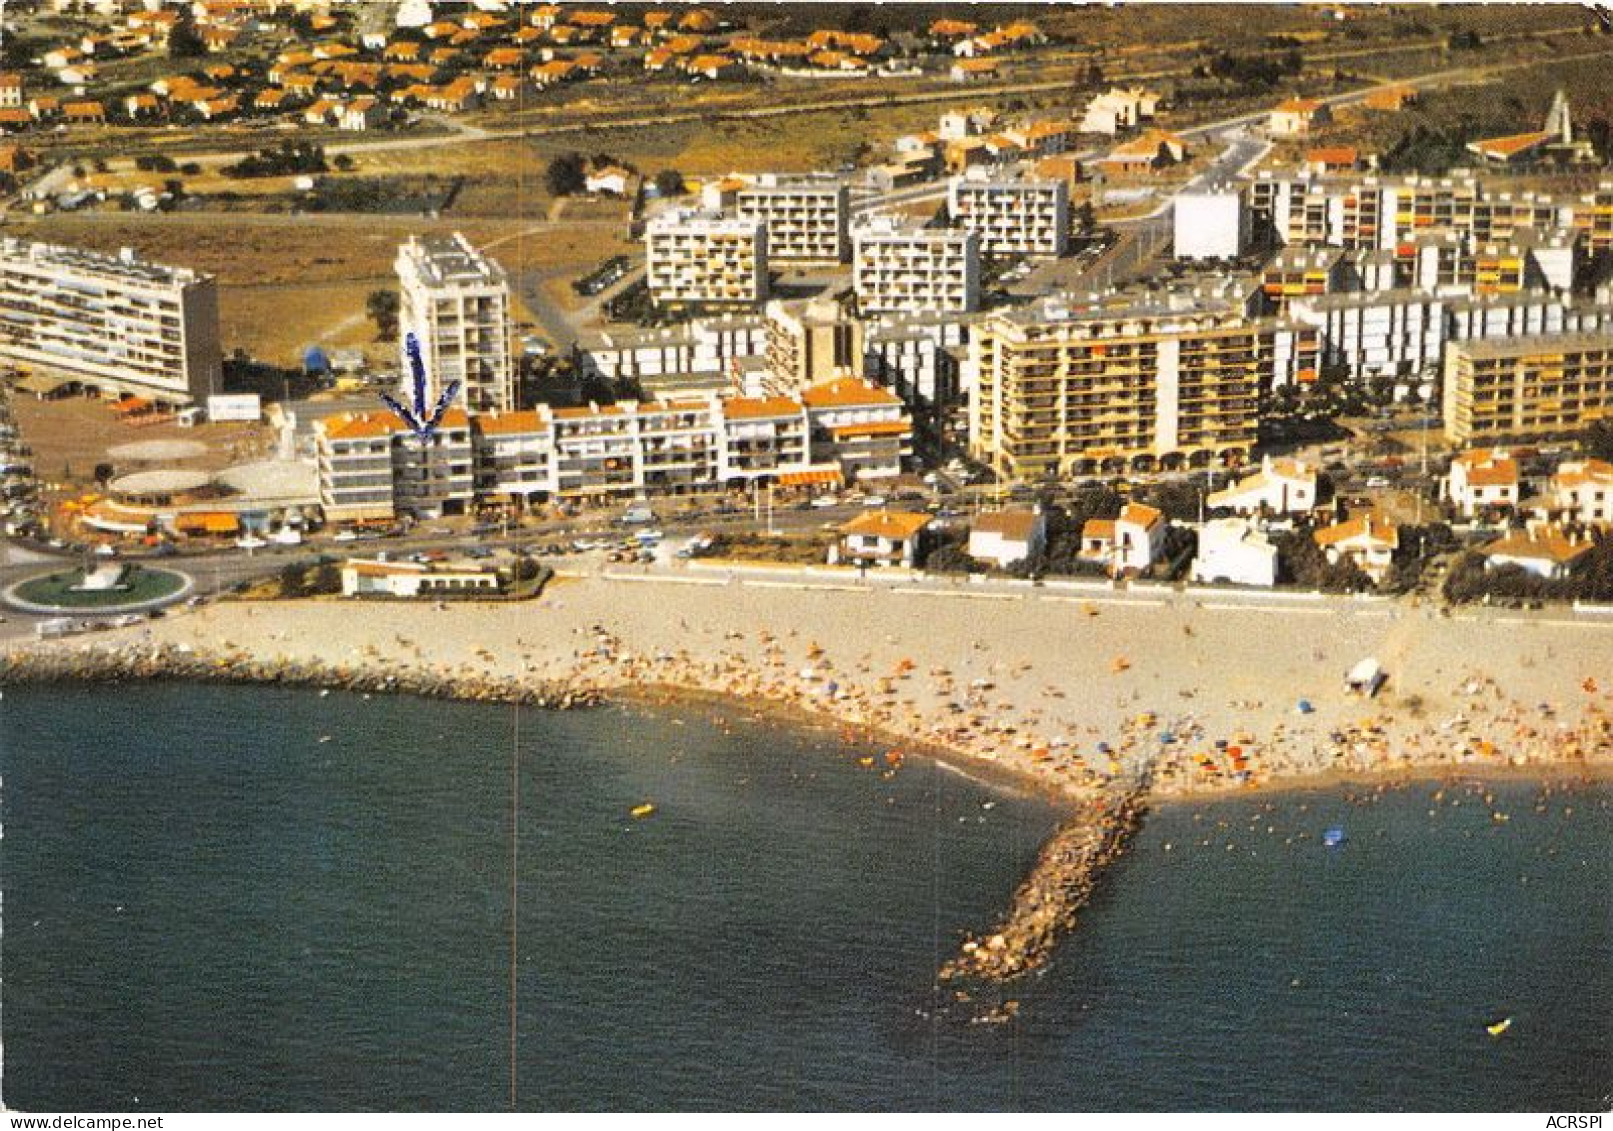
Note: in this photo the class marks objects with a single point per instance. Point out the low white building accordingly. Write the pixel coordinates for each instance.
(1368, 541)
(1281, 486)
(376, 577)
(1132, 541)
(1006, 537)
(1582, 491)
(880, 538)
(1482, 479)
(1234, 550)
(1544, 549)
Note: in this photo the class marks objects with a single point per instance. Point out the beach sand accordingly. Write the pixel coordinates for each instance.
(1023, 686)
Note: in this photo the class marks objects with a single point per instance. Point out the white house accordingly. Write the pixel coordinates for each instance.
(1582, 491)
(880, 538)
(1281, 486)
(1482, 479)
(1006, 537)
(1130, 541)
(612, 179)
(1544, 549)
(1369, 541)
(1233, 549)
(377, 577)
(1298, 117)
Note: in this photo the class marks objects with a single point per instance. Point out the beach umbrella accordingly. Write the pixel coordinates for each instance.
(1304, 707)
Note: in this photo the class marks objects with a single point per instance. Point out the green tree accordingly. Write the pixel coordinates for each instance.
(184, 41)
(382, 307)
(669, 183)
(566, 175)
(1598, 440)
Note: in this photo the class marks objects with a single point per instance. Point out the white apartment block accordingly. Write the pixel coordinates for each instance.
(456, 302)
(706, 259)
(1012, 216)
(1210, 224)
(1526, 314)
(371, 467)
(808, 219)
(1368, 334)
(114, 323)
(911, 270)
(701, 351)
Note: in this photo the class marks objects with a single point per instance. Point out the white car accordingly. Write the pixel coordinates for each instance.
(347, 536)
(250, 542)
(874, 501)
(825, 501)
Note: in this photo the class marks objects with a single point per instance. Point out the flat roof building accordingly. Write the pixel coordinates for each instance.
(112, 322)
(1527, 387)
(906, 269)
(706, 259)
(1012, 215)
(808, 218)
(456, 302)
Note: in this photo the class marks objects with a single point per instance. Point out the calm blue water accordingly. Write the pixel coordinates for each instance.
(208, 908)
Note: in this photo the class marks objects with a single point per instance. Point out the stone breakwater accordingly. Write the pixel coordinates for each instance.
(113, 663)
(1059, 885)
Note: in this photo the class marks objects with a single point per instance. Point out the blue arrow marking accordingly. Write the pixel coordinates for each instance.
(418, 421)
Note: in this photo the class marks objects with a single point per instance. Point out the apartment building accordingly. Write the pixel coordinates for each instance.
(811, 342)
(456, 303)
(114, 323)
(1527, 387)
(808, 218)
(373, 467)
(1365, 334)
(907, 269)
(1060, 391)
(706, 259)
(702, 354)
(1012, 216)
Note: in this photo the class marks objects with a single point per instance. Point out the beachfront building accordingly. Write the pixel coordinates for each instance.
(706, 259)
(1527, 387)
(1150, 381)
(808, 217)
(113, 323)
(905, 269)
(1210, 223)
(1235, 550)
(1281, 486)
(1011, 215)
(1369, 542)
(1581, 491)
(859, 427)
(1128, 543)
(373, 467)
(1481, 480)
(455, 301)
(1005, 537)
(379, 577)
(880, 538)
(1544, 549)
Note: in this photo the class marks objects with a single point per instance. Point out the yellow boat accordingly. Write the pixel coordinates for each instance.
(1499, 1027)
(641, 811)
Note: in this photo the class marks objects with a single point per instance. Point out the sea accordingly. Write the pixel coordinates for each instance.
(263, 899)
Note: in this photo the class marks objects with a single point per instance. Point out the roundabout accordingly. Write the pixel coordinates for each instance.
(104, 590)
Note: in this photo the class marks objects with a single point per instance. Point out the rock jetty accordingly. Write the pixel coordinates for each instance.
(1058, 886)
(113, 663)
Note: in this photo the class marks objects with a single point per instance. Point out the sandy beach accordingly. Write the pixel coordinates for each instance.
(1070, 693)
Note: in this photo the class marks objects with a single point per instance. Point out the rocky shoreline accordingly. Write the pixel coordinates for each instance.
(179, 662)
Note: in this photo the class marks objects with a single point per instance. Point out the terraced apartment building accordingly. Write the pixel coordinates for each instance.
(1527, 387)
(1059, 391)
(906, 269)
(114, 323)
(808, 217)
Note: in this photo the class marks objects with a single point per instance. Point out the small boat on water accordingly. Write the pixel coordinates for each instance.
(639, 812)
(1333, 837)
(1497, 1028)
